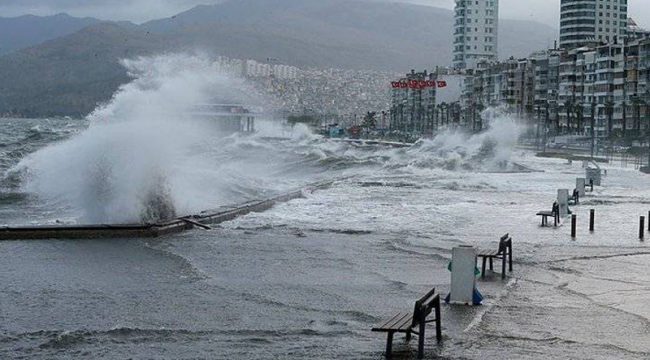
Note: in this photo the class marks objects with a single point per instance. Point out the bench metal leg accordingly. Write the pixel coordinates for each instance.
(503, 267)
(491, 264)
(408, 336)
(510, 257)
(421, 339)
(483, 272)
(389, 345)
(436, 304)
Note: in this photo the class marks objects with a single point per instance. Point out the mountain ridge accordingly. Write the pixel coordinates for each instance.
(70, 75)
(33, 30)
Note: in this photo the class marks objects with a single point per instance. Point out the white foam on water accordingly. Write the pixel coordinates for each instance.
(454, 149)
(142, 158)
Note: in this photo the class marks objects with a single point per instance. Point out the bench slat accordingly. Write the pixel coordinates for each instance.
(383, 324)
(404, 325)
(399, 320)
(488, 252)
(390, 324)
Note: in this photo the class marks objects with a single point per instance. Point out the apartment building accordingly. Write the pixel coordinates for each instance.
(413, 106)
(476, 32)
(587, 21)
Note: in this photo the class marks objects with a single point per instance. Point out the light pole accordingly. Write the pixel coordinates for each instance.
(593, 128)
(539, 120)
(545, 129)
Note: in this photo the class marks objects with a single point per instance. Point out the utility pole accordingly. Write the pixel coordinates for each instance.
(647, 129)
(539, 120)
(593, 128)
(545, 129)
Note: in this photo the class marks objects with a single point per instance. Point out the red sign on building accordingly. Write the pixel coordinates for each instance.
(418, 84)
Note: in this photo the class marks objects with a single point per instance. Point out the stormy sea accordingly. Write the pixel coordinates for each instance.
(307, 279)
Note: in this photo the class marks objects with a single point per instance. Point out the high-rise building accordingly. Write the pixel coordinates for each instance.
(476, 32)
(592, 21)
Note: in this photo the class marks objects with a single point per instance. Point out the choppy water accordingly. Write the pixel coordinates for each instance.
(308, 279)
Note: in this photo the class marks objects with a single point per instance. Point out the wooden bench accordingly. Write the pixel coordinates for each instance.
(575, 198)
(555, 213)
(504, 251)
(407, 322)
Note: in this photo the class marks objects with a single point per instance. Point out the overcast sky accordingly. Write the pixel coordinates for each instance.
(545, 11)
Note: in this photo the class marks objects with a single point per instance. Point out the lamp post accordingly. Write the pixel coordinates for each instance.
(545, 129)
(539, 119)
(593, 127)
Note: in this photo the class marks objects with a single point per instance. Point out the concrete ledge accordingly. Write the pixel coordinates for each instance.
(557, 155)
(163, 228)
(374, 142)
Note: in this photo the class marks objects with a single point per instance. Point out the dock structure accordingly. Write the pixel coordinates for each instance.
(158, 229)
(394, 144)
(514, 168)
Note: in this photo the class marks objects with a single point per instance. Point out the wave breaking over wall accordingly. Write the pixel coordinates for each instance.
(142, 158)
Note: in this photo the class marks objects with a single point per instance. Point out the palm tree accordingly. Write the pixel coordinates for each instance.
(479, 109)
(556, 107)
(443, 112)
(636, 104)
(370, 120)
(436, 118)
(579, 109)
(568, 106)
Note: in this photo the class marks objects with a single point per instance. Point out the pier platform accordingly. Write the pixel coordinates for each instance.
(162, 228)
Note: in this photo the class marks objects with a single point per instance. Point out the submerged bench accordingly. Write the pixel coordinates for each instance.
(555, 213)
(407, 322)
(504, 251)
(575, 198)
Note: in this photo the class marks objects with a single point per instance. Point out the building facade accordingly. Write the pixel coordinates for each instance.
(604, 88)
(587, 21)
(476, 32)
(413, 107)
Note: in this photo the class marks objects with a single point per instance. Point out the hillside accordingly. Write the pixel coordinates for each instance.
(338, 33)
(24, 31)
(71, 74)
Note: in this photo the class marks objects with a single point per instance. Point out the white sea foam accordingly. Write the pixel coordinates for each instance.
(452, 149)
(142, 158)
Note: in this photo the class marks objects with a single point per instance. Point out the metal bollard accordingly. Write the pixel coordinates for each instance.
(642, 228)
(592, 220)
(574, 221)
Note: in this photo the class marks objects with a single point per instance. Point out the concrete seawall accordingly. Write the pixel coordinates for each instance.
(163, 228)
(375, 142)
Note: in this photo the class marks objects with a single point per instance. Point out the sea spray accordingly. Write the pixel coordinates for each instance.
(142, 158)
(457, 150)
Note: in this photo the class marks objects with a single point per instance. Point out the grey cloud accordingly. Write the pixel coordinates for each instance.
(133, 10)
(545, 11)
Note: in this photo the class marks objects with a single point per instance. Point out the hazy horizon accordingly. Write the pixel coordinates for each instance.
(139, 11)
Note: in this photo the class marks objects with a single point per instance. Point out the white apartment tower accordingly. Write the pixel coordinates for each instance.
(476, 32)
(589, 21)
